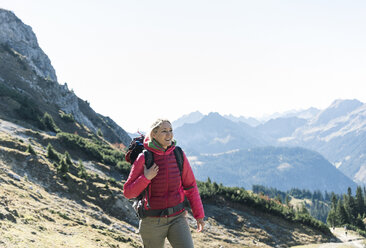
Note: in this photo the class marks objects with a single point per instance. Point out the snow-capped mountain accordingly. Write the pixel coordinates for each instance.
(339, 134)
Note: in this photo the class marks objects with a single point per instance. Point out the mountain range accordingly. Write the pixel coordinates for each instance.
(337, 133)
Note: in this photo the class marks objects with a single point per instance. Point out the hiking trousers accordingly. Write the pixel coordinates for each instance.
(154, 230)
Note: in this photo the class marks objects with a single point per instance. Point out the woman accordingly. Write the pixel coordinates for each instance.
(167, 189)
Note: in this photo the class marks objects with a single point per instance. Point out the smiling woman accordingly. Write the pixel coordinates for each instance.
(162, 132)
(163, 214)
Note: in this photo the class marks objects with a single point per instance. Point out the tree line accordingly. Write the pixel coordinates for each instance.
(348, 210)
(215, 192)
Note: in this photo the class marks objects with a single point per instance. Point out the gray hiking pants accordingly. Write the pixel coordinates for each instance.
(154, 230)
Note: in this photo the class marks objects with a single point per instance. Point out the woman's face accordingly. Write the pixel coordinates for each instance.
(164, 135)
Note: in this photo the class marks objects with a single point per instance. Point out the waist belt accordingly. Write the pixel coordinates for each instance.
(163, 212)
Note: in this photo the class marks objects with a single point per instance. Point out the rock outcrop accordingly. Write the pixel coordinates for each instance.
(28, 71)
(20, 37)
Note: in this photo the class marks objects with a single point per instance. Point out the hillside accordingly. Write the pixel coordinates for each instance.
(40, 205)
(338, 133)
(29, 87)
(283, 168)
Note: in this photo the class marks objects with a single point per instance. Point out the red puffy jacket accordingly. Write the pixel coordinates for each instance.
(167, 188)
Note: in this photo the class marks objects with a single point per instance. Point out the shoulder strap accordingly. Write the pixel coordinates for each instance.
(149, 161)
(149, 158)
(179, 157)
(178, 152)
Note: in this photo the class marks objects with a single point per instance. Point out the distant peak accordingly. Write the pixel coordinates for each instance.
(214, 114)
(339, 102)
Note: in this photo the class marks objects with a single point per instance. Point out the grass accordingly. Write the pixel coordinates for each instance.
(53, 221)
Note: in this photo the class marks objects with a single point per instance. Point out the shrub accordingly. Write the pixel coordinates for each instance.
(63, 166)
(112, 181)
(93, 147)
(52, 153)
(31, 150)
(82, 172)
(66, 117)
(124, 167)
(99, 133)
(49, 123)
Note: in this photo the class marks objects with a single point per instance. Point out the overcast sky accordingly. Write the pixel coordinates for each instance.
(135, 61)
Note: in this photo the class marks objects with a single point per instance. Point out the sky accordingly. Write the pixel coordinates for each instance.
(136, 61)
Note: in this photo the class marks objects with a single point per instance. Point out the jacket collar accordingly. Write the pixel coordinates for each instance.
(155, 147)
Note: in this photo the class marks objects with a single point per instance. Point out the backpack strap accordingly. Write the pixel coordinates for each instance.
(178, 152)
(180, 159)
(149, 161)
(149, 158)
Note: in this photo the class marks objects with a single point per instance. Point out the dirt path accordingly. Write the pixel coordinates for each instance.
(349, 240)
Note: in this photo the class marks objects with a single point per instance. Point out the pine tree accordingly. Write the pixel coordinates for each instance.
(341, 214)
(334, 201)
(68, 158)
(350, 206)
(49, 123)
(287, 200)
(360, 201)
(332, 216)
(331, 219)
(51, 153)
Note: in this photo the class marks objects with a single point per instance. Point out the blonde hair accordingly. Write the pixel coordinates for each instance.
(156, 125)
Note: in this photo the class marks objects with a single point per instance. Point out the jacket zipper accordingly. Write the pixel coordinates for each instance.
(167, 180)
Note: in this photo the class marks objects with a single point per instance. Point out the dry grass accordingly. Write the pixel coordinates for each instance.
(37, 218)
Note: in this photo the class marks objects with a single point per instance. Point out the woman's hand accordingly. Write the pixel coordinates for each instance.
(200, 225)
(152, 172)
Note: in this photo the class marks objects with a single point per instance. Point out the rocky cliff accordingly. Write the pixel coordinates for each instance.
(21, 38)
(27, 73)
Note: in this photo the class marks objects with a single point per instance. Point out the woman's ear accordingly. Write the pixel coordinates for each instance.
(153, 135)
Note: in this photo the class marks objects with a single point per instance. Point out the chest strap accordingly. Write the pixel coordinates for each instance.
(163, 212)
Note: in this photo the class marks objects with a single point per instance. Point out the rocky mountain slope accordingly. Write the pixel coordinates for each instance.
(20, 37)
(29, 87)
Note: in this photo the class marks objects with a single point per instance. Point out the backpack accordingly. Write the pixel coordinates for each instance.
(134, 149)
